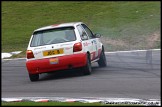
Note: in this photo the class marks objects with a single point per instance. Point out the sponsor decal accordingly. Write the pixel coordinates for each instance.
(67, 48)
(36, 53)
(66, 44)
(86, 44)
(39, 48)
(54, 61)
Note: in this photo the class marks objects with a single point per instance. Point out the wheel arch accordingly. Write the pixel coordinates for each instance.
(103, 49)
(88, 53)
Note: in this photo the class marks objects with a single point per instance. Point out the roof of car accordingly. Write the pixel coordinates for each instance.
(59, 25)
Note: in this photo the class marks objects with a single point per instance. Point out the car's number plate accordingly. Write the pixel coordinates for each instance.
(53, 52)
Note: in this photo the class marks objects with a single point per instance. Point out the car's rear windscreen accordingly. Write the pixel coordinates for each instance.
(53, 36)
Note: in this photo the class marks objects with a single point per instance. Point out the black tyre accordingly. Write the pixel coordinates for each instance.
(102, 61)
(34, 77)
(87, 69)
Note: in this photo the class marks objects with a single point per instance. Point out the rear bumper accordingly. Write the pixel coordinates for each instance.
(64, 62)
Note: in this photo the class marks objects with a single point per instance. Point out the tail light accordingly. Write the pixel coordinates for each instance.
(29, 54)
(77, 47)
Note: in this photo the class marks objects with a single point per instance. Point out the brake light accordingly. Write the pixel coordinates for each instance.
(77, 47)
(29, 54)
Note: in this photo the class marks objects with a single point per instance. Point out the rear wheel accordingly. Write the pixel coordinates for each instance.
(34, 77)
(102, 61)
(87, 69)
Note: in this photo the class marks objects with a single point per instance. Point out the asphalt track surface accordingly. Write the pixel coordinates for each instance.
(133, 74)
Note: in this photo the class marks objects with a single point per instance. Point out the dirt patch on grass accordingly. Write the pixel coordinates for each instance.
(129, 42)
(113, 42)
(152, 39)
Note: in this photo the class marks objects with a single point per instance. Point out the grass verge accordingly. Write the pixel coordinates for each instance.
(126, 22)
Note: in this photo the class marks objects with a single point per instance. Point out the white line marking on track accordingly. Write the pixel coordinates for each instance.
(133, 51)
(105, 52)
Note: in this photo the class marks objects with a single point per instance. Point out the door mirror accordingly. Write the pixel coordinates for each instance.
(97, 35)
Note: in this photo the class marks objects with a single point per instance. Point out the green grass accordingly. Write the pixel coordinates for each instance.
(131, 22)
(60, 104)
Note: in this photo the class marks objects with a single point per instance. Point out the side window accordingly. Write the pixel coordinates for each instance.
(82, 33)
(89, 32)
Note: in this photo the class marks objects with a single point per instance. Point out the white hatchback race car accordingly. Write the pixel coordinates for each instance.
(63, 46)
